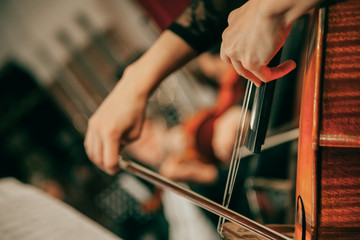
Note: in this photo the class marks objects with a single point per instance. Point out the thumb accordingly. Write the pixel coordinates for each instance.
(133, 133)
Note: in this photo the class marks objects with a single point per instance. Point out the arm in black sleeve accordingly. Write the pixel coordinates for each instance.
(203, 21)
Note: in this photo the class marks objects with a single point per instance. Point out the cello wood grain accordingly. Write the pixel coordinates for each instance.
(328, 174)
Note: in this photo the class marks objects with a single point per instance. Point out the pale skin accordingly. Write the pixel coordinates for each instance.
(256, 32)
(119, 118)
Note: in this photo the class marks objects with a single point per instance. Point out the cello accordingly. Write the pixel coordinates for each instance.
(328, 171)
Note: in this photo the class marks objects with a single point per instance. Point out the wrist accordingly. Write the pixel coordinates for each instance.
(279, 12)
(286, 11)
(137, 80)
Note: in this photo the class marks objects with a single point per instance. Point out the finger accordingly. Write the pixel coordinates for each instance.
(96, 150)
(223, 55)
(111, 152)
(231, 17)
(234, 15)
(267, 74)
(90, 147)
(282, 69)
(245, 73)
(87, 145)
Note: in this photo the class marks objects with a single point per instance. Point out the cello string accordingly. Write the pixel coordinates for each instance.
(235, 157)
(236, 145)
(242, 140)
(236, 154)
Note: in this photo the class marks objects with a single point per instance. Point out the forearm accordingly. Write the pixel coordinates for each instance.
(166, 55)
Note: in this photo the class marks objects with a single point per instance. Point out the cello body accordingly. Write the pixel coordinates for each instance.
(328, 170)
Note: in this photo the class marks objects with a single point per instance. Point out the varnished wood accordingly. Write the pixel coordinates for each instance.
(308, 138)
(340, 107)
(328, 173)
(339, 195)
(232, 231)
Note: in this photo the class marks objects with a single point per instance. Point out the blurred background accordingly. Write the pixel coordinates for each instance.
(59, 60)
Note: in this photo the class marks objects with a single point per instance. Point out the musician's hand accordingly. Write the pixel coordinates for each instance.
(252, 39)
(117, 121)
(119, 118)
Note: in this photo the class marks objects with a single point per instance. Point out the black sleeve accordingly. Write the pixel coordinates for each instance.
(203, 21)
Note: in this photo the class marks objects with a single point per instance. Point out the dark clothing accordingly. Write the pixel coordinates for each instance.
(201, 24)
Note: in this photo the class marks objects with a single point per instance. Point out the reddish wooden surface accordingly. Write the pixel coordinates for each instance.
(328, 174)
(340, 124)
(308, 144)
(339, 195)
